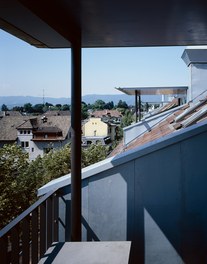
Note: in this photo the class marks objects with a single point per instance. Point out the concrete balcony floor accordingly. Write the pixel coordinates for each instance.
(88, 253)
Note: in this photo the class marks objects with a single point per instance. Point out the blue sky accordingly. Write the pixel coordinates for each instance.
(26, 70)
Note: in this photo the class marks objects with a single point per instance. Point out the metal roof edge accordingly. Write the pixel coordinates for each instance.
(66, 179)
(154, 116)
(162, 142)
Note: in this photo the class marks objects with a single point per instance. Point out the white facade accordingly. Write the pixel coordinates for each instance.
(198, 80)
(196, 60)
(36, 148)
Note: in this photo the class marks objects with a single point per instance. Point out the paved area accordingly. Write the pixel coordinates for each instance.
(88, 253)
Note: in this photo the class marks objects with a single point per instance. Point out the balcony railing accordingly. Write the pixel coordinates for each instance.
(27, 237)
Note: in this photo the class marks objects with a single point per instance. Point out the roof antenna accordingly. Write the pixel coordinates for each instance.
(43, 98)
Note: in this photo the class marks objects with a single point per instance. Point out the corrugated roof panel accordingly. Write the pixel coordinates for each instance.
(195, 117)
(190, 110)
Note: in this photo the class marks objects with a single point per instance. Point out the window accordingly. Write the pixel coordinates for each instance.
(32, 149)
(25, 144)
(25, 132)
(47, 150)
(28, 131)
(21, 132)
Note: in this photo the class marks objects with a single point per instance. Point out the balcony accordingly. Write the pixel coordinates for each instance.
(154, 196)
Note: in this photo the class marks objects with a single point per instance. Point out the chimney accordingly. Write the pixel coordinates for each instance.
(196, 60)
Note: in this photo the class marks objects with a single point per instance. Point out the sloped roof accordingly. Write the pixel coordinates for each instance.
(60, 122)
(188, 115)
(27, 124)
(106, 112)
(10, 113)
(8, 125)
(49, 129)
(57, 113)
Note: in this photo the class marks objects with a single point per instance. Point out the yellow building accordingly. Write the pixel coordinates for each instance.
(97, 131)
(95, 128)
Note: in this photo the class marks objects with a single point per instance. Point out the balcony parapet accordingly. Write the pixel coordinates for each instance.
(128, 156)
(28, 236)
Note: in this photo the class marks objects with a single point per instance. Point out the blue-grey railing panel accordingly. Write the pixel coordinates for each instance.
(26, 238)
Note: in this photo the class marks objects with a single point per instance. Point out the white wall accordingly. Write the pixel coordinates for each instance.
(138, 129)
(198, 80)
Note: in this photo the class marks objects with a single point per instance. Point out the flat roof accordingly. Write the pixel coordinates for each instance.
(154, 90)
(108, 23)
(195, 56)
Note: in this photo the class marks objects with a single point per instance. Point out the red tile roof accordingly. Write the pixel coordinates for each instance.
(168, 126)
(105, 112)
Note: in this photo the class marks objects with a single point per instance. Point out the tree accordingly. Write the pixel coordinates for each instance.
(58, 106)
(28, 108)
(18, 108)
(20, 179)
(109, 105)
(84, 111)
(127, 119)
(65, 107)
(94, 153)
(99, 105)
(122, 104)
(4, 108)
(38, 108)
(13, 162)
(47, 106)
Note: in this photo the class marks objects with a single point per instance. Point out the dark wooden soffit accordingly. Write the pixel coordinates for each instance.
(154, 90)
(108, 23)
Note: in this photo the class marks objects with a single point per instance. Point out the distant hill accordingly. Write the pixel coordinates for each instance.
(11, 101)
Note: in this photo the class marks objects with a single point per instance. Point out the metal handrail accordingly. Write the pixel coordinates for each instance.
(19, 218)
(28, 236)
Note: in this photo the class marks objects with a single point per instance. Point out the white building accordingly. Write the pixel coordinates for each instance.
(36, 135)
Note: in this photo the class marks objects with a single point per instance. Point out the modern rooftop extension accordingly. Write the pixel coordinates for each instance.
(153, 129)
(153, 195)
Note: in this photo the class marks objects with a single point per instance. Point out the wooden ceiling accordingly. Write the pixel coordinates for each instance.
(108, 23)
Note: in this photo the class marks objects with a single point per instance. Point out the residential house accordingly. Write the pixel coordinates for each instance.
(101, 127)
(57, 113)
(10, 113)
(96, 131)
(112, 116)
(8, 131)
(36, 135)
